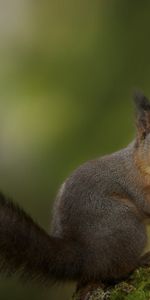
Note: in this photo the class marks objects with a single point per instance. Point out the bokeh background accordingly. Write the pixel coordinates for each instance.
(67, 73)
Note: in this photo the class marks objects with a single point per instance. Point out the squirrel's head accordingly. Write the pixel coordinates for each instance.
(143, 130)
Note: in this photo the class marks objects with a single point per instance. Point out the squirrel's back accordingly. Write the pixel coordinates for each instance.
(93, 184)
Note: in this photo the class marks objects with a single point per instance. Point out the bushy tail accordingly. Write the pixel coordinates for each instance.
(27, 249)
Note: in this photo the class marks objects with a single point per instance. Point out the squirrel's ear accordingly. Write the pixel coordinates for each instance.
(142, 115)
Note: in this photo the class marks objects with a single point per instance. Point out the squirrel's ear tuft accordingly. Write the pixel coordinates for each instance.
(141, 102)
(142, 115)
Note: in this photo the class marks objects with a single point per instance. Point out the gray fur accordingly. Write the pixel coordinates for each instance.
(112, 235)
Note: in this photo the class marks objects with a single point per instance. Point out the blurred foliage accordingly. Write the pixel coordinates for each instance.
(68, 70)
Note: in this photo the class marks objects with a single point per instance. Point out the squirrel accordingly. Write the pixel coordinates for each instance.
(98, 228)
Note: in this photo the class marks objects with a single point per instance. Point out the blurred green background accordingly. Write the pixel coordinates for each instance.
(67, 73)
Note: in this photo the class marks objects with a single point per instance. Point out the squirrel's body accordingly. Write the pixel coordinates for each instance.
(109, 226)
(98, 229)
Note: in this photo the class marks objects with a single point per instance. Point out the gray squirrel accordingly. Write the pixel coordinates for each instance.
(98, 228)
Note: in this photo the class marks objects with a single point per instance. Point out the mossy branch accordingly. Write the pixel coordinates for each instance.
(137, 287)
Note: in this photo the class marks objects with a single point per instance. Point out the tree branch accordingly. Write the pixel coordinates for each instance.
(137, 287)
